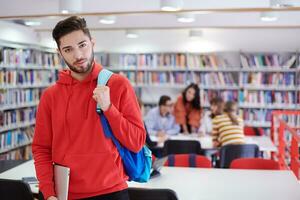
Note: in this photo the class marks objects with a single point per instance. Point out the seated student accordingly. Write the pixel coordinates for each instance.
(160, 121)
(154, 146)
(216, 108)
(228, 127)
(187, 109)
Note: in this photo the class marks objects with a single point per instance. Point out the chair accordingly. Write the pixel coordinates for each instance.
(151, 194)
(233, 151)
(254, 163)
(181, 147)
(253, 131)
(14, 189)
(188, 160)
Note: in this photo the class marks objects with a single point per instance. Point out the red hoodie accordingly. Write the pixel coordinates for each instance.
(68, 132)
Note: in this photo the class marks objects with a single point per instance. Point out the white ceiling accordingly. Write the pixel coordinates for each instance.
(160, 31)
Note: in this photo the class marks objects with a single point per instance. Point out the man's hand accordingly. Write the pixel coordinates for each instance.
(102, 97)
(52, 198)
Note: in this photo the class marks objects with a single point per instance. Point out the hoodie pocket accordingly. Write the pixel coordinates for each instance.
(92, 172)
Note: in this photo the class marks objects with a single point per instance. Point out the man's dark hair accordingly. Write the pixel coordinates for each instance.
(68, 25)
(163, 100)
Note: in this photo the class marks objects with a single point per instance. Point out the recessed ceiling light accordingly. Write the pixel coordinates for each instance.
(108, 19)
(185, 17)
(132, 34)
(32, 23)
(268, 16)
(64, 11)
(171, 5)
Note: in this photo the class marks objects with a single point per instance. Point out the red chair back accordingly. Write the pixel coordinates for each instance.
(254, 163)
(188, 160)
(253, 131)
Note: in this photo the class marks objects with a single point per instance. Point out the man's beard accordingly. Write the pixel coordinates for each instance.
(82, 70)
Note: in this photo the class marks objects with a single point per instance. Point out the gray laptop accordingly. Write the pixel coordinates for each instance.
(157, 165)
(61, 180)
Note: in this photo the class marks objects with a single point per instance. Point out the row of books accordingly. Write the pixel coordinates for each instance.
(16, 138)
(201, 61)
(24, 57)
(14, 117)
(258, 115)
(18, 96)
(260, 78)
(192, 60)
(212, 78)
(207, 79)
(23, 153)
(267, 60)
(161, 77)
(267, 97)
(226, 95)
(162, 60)
(129, 75)
(26, 77)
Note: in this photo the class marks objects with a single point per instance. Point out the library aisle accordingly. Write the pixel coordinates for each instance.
(239, 54)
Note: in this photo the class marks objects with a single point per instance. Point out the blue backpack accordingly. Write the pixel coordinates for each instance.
(137, 165)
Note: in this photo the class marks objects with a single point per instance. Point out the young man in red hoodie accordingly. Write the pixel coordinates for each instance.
(68, 131)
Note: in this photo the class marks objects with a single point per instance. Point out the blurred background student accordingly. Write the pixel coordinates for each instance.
(155, 146)
(216, 108)
(187, 109)
(228, 127)
(160, 121)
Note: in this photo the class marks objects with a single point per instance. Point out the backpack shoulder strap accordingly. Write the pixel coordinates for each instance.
(103, 77)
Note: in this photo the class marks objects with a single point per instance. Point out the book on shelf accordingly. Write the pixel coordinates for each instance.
(267, 97)
(227, 95)
(15, 97)
(256, 115)
(26, 77)
(206, 61)
(24, 57)
(212, 78)
(22, 153)
(267, 60)
(13, 117)
(15, 138)
(262, 78)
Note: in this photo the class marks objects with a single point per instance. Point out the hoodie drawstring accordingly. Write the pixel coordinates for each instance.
(89, 99)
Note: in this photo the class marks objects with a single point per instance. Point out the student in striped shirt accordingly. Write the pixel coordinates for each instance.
(228, 127)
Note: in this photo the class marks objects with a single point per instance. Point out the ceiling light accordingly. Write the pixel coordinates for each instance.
(108, 19)
(132, 34)
(64, 11)
(70, 6)
(185, 17)
(268, 16)
(32, 23)
(171, 5)
(195, 33)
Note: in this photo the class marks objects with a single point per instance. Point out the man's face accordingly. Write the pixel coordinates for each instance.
(76, 48)
(166, 108)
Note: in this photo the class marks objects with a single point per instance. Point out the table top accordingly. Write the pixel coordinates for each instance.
(206, 184)
(226, 184)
